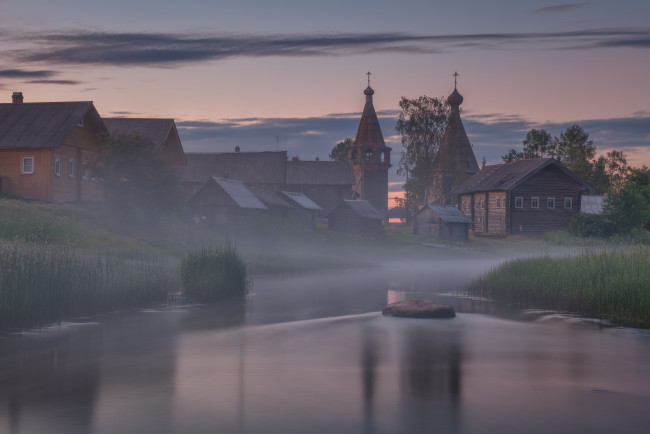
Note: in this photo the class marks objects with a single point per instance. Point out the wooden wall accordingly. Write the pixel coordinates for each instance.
(27, 185)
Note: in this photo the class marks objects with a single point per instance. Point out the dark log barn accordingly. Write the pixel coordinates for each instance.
(527, 196)
(356, 217)
(441, 222)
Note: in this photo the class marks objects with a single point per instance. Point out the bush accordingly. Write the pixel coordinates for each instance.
(214, 273)
(590, 225)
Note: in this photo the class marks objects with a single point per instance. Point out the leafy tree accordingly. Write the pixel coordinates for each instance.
(539, 144)
(609, 172)
(575, 150)
(483, 162)
(421, 124)
(629, 207)
(135, 177)
(512, 156)
(340, 150)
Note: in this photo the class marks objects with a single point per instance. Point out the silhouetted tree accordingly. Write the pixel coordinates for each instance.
(340, 150)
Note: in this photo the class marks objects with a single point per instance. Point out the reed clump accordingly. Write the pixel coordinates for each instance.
(213, 273)
(607, 285)
(41, 283)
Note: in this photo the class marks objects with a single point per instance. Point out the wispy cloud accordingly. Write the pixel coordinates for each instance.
(160, 49)
(22, 73)
(559, 9)
(61, 82)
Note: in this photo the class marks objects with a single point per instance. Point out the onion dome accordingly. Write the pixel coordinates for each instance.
(368, 91)
(455, 99)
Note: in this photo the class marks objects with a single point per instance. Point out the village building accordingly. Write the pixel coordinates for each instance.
(356, 217)
(441, 222)
(304, 209)
(455, 161)
(162, 133)
(327, 183)
(370, 158)
(224, 201)
(46, 149)
(528, 196)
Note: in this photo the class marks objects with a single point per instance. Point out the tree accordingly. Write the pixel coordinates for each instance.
(483, 162)
(421, 124)
(340, 150)
(575, 150)
(629, 207)
(512, 156)
(135, 177)
(539, 144)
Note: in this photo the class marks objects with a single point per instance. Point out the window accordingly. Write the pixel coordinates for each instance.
(498, 202)
(27, 165)
(482, 204)
(550, 202)
(84, 170)
(71, 168)
(519, 202)
(57, 166)
(534, 202)
(568, 203)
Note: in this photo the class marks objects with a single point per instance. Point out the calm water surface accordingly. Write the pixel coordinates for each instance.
(312, 354)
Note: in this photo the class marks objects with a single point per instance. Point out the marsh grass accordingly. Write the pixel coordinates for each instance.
(41, 283)
(214, 273)
(606, 285)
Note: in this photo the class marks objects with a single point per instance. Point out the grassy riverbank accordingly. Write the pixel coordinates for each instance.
(606, 285)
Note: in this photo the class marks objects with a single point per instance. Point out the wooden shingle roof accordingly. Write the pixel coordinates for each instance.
(248, 167)
(155, 129)
(43, 124)
(450, 214)
(302, 201)
(362, 208)
(505, 177)
(320, 172)
(238, 192)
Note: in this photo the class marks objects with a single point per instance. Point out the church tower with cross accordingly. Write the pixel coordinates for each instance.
(370, 158)
(456, 160)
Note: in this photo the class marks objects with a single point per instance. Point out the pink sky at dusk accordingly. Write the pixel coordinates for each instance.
(259, 73)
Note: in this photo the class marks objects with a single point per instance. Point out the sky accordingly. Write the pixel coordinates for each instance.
(290, 74)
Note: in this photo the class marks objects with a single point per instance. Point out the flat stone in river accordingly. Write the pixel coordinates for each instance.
(418, 308)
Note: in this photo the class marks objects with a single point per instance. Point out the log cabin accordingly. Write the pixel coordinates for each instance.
(356, 217)
(441, 222)
(46, 149)
(529, 196)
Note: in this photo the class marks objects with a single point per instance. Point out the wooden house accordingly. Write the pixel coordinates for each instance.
(526, 196)
(277, 204)
(162, 132)
(265, 170)
(304, 209)
(46, 149)
(223, 202)
(441, 222)
(355, 217)
(325, 182)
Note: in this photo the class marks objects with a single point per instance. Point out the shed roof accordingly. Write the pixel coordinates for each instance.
(43, 124)
(302, 201)
(320, 172)
(270, 198)
(450, 214)
(505, 177)
(239, 193)
(362, 208)
(248, 167)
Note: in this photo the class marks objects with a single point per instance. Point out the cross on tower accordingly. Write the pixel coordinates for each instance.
(368, 74)
(455, 77)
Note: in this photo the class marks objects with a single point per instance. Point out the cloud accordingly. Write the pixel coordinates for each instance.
(560, 8)
(21, 73)
(62, 82)
(160, 49)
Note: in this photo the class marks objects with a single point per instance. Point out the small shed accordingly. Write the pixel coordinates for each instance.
(442, 222)
(274, 201)
(304, 209)
(355, 217)
(591, 204)
(223, 201)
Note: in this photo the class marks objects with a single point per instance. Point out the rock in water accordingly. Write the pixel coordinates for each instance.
(419, 309)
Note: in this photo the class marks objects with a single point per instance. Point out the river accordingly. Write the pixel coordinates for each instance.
(312, 354)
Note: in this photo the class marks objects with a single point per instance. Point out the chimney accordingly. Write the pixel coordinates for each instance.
(17, 98)
(237, 149)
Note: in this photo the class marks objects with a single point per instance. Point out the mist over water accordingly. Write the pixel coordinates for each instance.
(311, 353)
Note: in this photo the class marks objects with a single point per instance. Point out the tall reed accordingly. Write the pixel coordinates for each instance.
(214, 273)
(606, 285)
(44, 283)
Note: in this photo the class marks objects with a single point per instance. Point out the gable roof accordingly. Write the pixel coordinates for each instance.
(248, 167)
(270, 198)
(157, 130)
(239, 193)
(302, 201)
(320, 172)
(505, 177)
(362, 208)
(449, 213)
(43, 124)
